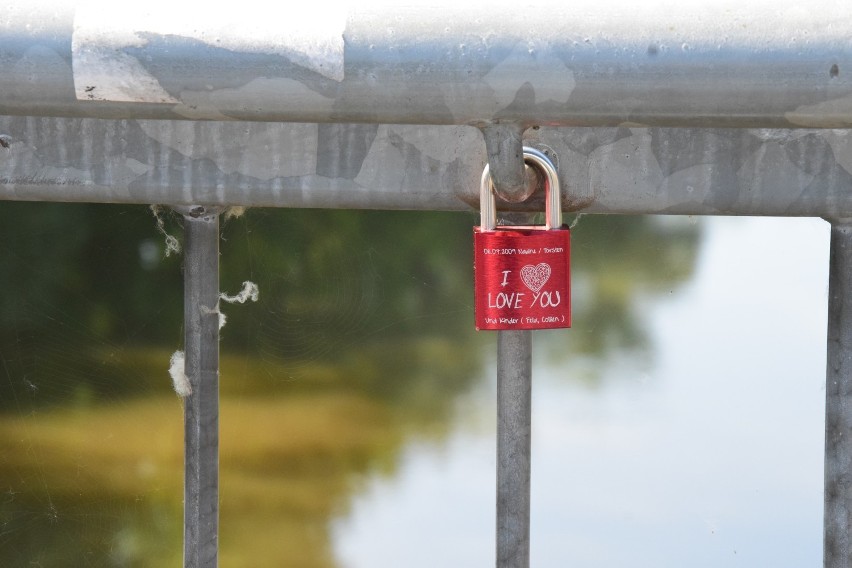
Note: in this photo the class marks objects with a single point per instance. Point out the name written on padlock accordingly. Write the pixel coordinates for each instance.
(522, 279)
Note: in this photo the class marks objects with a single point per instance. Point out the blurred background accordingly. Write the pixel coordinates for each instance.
(679, 422)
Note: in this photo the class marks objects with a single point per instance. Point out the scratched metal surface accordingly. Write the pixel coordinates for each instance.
(779, 63)
(373, 105)
(619, 169)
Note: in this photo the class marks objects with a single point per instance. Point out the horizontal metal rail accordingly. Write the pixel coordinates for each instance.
(779, 64)
(370, 166)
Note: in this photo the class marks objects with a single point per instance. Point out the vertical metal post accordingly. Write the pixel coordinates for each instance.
(504, 144)
(201, 411)
(514, 369)
(837, 520)
(514, 391)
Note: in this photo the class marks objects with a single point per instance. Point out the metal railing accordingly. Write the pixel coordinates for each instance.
(723, 109)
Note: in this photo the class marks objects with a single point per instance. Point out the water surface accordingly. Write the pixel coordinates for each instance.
(678, 423)
(704, 450)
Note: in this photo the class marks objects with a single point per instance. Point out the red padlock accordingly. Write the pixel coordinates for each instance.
(522, 273)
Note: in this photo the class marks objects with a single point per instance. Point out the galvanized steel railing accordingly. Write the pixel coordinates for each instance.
(761, 64)
(723, 109)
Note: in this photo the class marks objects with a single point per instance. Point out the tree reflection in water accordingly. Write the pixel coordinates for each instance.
(361, 342)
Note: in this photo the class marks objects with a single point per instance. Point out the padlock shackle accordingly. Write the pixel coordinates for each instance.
(552, 197)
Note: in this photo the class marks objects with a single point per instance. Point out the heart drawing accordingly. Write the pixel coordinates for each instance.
(535, 276)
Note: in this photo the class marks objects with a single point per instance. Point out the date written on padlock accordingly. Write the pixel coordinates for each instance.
(521, 278)
(522, 274)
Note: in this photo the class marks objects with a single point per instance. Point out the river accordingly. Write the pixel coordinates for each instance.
(706, 450)
(679, 422)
